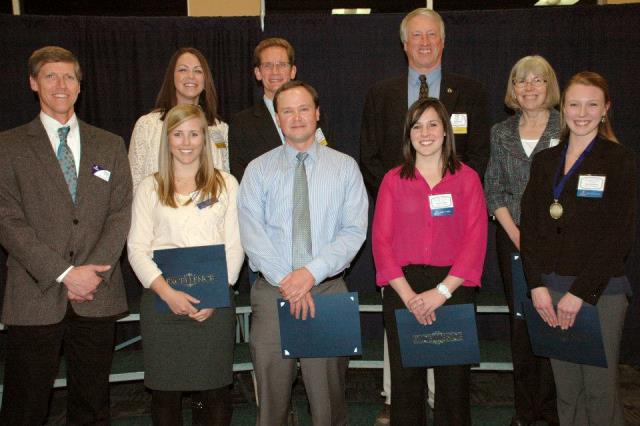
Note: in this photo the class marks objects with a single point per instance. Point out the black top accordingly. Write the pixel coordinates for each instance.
(594, 235)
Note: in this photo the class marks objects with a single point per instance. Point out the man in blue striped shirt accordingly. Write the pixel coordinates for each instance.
(337, 215)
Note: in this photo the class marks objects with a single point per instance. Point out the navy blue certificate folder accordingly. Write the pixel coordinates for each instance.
(451, 340)
(335, 330)
(198, 271)
(580, 344)
(519, 286)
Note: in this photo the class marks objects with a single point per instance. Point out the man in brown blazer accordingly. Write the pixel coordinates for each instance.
(65, 210)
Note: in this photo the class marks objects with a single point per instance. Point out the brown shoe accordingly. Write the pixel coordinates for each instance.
(384, 416)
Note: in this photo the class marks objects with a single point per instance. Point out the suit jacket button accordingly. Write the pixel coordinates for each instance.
(76, 221)
(559, 230)
(70, 254)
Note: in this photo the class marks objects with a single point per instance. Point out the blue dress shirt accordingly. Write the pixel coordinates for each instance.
(338, 206)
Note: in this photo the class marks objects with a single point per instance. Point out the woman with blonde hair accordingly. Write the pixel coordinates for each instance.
(187, 203)
(532, 92)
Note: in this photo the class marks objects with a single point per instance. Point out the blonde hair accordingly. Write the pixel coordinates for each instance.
(209, 181)
(537, 65)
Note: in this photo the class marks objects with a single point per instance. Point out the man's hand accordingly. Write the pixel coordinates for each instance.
(202, 314)
(82, 281)
(295, 285)
(74, 297)
(304, 306)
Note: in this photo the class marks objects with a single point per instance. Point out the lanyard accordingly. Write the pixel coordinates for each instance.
(558, 186)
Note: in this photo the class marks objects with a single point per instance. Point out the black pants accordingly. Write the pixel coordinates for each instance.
(408, 385)
(208, 408)
(32, 361)
(534, 388)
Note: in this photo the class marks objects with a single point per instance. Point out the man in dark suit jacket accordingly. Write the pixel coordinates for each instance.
(422, 34)
(65, 210)
(386, 105)
(253, 131)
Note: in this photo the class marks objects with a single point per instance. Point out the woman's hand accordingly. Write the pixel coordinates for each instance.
(568, 308)
(424, 306)
(202, 314)
(542, 302)
(180, 302)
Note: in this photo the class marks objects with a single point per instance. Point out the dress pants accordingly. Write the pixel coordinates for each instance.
(324, 378)
(588, 395)
(534, 389)
(32, 361)
(408, 385)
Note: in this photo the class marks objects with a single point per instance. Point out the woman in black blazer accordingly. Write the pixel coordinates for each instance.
(533, 93)
(577, 224)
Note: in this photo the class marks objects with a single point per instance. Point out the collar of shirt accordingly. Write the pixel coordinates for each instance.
(52, 125)
(413, 84)
(269, 104)
(290, 154)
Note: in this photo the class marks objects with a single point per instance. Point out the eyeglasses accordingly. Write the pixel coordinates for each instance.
(269, 66)
(535, 82)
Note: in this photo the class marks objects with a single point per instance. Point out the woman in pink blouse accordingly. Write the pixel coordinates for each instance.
(429, 242)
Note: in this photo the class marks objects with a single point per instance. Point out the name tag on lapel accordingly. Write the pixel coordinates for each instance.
(99, 171)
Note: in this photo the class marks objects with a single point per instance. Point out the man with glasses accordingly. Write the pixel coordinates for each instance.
(254, 131)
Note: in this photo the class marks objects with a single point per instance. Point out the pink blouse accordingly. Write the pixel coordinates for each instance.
(406, 233)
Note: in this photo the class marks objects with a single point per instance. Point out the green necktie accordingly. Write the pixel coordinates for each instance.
(67, 163)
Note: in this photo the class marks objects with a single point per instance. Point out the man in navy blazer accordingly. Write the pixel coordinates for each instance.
(65, 210)
(387, 102)
(253, 131)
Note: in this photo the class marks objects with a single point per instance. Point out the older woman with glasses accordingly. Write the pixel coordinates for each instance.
(532, 92)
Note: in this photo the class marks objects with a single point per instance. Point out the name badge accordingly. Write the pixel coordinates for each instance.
(459, 123)
(204, 203)
(99, 171)
(319, 137)
(553, 142)
(441, 205)
(591, 186)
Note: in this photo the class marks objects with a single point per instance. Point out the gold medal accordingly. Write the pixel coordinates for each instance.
(556, 210)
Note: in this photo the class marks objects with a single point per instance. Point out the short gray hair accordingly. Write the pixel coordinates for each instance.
(424, 12)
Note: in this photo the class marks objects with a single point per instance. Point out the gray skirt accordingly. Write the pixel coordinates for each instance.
(181, 354)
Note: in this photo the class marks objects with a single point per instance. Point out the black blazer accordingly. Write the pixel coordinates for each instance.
(383, 125)
(594, 235)
(252, 132)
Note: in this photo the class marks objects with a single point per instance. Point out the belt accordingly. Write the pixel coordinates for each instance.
(331, 278)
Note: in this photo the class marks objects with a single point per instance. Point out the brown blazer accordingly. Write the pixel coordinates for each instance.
(44, 232)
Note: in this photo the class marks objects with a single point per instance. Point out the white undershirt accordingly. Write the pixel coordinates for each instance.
(529, 145)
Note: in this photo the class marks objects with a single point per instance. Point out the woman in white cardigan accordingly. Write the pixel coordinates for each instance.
(188, 80)
(187, 203)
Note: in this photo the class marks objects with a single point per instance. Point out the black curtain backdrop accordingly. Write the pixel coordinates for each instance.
(124, 60)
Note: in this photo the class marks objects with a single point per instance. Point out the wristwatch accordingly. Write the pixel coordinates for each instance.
(444, 290)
